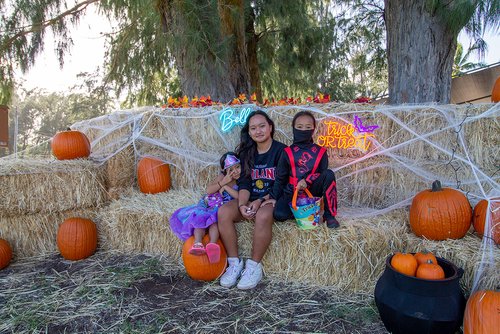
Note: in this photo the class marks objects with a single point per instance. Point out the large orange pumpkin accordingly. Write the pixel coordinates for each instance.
(440, 213)
(495, 93)
(482, 313)
(479, 218)
(70, 145)
(404, 263)
(153, 175)
(5, 253)
(77, 238)
(198, 267)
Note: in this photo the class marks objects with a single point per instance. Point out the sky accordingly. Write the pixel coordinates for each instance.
(87, 54)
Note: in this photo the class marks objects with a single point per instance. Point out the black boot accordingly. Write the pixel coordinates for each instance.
(331, 222)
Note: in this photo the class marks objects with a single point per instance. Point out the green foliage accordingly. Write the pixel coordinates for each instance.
(461, 63)
(40, 114)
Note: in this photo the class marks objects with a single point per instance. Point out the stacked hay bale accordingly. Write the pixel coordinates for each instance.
(37, 195)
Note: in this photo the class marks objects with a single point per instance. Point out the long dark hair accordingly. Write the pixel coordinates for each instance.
(303, 113)
(247, 147)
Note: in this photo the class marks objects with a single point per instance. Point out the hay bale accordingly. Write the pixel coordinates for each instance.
(36, 234)
(139, 223)
(43, 186)
(351, 257)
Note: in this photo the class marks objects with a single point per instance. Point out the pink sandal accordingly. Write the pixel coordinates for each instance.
(197, 249)
(213, 252)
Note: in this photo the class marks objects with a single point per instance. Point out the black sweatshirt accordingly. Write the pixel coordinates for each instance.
(284, 170)
(260, 180)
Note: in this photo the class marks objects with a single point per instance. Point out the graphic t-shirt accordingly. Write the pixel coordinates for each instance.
(262, 176)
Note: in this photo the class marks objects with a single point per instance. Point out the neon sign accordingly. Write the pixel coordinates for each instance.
(347, 136)
(230, 119)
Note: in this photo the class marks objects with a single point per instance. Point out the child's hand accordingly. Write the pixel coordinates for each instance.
(226, 179)
(246, 212)
(302, 185)
(270, 201)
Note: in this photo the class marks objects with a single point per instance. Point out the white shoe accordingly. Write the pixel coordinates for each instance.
(233, 272)
(251, 276)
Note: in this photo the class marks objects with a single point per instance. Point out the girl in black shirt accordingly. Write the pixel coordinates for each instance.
(259, 154)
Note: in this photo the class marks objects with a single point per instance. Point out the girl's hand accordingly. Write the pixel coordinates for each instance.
(226, 179)
(302, 185)
(246, 212)
(221, 190)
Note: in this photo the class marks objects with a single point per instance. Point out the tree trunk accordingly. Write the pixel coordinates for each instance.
(253, 64)
(219, 68)
(420, 50)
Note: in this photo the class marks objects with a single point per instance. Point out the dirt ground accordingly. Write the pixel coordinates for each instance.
(118, 293)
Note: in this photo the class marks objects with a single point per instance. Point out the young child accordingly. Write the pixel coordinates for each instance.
(304, 165)
(196, 219)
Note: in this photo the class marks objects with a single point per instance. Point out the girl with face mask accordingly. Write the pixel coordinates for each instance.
(304, 164)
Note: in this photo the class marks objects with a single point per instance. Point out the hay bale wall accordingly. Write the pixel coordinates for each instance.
(412, 146)
(350, 258)
(44, 186)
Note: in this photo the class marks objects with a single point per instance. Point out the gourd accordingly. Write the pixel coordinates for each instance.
(404, 263)
(430, 270)
(479, 218)
(482, 313)
(153, 175)
(423, 257)
(5, 253)
(198, 267)
(440, 213)
(70, 144)
(77, 238)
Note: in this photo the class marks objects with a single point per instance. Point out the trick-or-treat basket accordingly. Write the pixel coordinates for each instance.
(306, 210)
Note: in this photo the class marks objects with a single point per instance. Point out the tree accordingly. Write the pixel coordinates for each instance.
(422, 40)
(198, 47)
(461, 63)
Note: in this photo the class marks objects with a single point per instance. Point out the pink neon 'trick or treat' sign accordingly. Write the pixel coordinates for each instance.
(353, 139)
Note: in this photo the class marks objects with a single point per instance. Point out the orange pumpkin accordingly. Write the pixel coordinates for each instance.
(5, 253)
(495, 92)
(430, 270)
(404, 263)
(482, 313)
(77, 238)
(198, 267)
(70, 145)
(479, 218)
(423, 257)
(153, 175)
(440, 213)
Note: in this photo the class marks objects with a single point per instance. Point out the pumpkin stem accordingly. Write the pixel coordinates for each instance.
(436, 186)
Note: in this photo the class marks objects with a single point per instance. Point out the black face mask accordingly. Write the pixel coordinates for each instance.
(302, 136)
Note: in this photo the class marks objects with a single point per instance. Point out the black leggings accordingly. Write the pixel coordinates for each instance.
(324, 186)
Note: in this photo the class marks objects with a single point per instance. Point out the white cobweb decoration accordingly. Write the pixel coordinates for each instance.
(412, 146)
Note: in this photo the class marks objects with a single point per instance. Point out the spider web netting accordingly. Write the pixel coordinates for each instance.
(390, 154)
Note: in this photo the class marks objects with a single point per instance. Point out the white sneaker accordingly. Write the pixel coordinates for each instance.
(251, 276)
(233, 272)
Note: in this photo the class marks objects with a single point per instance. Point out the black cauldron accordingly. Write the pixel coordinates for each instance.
(410, 305)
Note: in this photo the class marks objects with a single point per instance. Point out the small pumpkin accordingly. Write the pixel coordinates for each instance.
(440, 213)
(430, 271)
(423, 257)
(495, 92)
(77, 238)
(482, 313)
(70, 144)
(5, 253)
(198, 267)
(404, 263)
(153, 175)
(479, 218)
